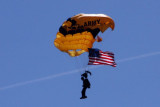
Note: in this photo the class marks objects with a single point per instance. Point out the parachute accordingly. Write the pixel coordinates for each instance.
(79, 32)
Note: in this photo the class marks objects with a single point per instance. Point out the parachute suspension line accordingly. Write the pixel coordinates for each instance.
(105, 37)
(87, 68)
(85, 61)
(82, 62)
(78, 63)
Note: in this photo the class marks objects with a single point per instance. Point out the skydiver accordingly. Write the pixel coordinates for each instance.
(86, 83)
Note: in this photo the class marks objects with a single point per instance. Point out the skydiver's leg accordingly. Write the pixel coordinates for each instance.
(84, 92)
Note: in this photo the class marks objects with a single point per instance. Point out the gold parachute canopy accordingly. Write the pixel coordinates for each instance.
(78, 33)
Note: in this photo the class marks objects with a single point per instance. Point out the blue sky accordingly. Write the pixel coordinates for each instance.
(33, 73)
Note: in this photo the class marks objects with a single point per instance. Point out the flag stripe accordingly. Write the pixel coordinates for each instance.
(100, 63)
(106, 59)
(98, 59)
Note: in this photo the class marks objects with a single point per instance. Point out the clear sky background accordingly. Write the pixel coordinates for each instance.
(33, 73)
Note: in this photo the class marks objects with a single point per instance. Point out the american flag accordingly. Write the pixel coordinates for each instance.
(97, 57)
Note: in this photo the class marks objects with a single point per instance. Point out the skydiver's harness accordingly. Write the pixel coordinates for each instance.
(86, 82)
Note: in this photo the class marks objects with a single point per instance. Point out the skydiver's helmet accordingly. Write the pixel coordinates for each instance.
(84, 75)
(82, 78)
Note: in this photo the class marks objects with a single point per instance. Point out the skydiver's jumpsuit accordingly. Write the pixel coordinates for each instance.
(86, 84)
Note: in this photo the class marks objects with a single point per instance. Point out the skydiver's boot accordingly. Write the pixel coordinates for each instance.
(83, 97)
